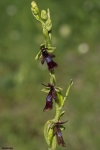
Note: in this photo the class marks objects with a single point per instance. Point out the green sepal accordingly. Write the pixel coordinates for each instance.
(38, 56)
(46, 89)
(58, 89)
(51, 49)
(62, 127)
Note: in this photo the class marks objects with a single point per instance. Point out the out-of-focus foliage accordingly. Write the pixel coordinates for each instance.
(76, 34)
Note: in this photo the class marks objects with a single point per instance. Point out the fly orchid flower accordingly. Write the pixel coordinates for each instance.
(57, 131)
(50, 96)
(48, 58)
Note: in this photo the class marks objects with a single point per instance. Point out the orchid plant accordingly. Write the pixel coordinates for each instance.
(54, 127)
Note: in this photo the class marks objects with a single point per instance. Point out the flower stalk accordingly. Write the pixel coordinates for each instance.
(52, 128)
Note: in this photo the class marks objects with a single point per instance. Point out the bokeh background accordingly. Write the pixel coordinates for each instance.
(76, 34)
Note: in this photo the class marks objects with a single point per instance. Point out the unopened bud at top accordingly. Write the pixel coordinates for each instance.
(34, 8)
(33, 4)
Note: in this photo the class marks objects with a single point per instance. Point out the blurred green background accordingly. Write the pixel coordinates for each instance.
(76, 34)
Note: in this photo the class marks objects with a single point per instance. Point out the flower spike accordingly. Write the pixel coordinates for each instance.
(52, 128)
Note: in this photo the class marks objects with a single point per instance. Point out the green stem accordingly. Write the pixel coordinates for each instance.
(58, 111)
(47, 38)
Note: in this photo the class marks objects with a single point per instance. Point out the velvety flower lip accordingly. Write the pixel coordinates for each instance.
(51, 95)
(58, 133)
(48, 58)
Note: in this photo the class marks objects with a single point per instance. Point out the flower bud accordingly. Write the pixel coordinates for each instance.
(33, 4)
(48, 25)
(44, 15)
(34, 8)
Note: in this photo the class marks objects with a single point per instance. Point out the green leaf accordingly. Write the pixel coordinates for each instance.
(71, 83)
(68, 89)
(38, 56)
